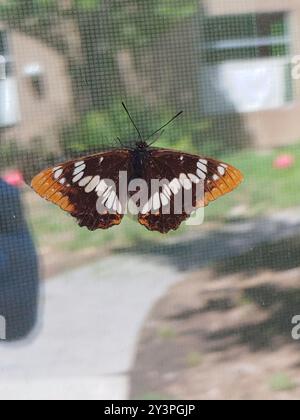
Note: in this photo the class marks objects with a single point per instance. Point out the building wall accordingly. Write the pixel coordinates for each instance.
(40, 116)
(223, 7)
(273, 127)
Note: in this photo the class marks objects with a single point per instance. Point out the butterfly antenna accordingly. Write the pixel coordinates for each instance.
(164, 126)
(133, 123)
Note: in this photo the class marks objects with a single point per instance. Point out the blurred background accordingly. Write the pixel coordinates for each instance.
(204, 313)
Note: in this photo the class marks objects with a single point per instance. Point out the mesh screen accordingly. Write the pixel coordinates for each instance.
(233, 68)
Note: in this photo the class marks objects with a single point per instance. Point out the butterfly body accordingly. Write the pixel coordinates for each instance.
(139, 155)
(96, 189)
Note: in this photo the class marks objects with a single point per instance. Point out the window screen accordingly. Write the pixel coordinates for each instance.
(208, 311)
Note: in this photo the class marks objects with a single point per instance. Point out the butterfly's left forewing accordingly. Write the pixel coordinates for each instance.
(79, 188)
(206, 179)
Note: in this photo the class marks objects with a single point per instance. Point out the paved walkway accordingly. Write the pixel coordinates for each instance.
(86, 342)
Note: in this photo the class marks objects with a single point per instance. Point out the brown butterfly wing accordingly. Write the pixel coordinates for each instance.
(218, 179)
(154, 219)
(78, 186)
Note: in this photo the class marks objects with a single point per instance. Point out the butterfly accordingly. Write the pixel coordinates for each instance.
(81, 187)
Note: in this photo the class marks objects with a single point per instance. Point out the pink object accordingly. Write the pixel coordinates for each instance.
(14, 178)
(284, 162)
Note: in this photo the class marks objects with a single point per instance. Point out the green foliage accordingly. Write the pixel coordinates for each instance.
(149, 19)
(15, 11)
(87, 5)
(133, 22)
(106, 27)
(177, 9)
(99, 130)
(111, 26)
(37, 18)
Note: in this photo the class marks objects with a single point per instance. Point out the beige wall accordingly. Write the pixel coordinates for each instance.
(40, 117)
(281, 126)
(223, 7)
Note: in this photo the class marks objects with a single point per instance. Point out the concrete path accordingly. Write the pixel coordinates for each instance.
(85, 345)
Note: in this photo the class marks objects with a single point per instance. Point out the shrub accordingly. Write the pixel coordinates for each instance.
(99, 130)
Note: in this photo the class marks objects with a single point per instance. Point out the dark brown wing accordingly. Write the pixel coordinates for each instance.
(79, 188)
(186, 172)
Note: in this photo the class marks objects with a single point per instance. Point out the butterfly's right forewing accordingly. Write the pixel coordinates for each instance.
(79, 187)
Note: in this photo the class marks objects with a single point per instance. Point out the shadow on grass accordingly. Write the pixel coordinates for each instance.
(276, 256)
(278, 304)
(246, 246)
(275, 331)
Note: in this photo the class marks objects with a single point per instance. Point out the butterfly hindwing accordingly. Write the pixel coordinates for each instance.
(184, 172)
(79, 188)
(152, 215)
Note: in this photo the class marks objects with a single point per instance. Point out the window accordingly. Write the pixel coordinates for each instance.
(9, 105)
(246, 36)
(248, 65)
(3, 43)
(4, 55)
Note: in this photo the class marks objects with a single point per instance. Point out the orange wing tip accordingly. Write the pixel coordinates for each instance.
(224, 185)
(48, 188)
(41, 181)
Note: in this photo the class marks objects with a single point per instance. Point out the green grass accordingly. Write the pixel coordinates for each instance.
(265, 188)
(194, 359)
(282, 382)
(154, 396)
(166, 333)
(52, 227)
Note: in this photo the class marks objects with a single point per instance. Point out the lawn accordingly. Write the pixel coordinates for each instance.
(63, 244)
(264, 191)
